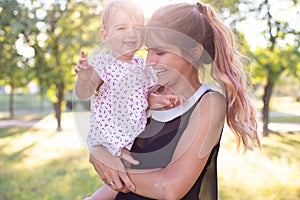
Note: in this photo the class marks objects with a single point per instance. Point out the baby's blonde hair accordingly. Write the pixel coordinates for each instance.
(128, 6)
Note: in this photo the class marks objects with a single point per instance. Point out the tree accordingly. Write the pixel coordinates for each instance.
(63, 29)
(279, 56)
(14, 63)
(272, 64)
(281, 34)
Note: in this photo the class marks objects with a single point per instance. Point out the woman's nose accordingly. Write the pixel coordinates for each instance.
(151, 58)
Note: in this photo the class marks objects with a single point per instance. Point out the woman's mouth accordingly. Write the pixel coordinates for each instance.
(159, 70)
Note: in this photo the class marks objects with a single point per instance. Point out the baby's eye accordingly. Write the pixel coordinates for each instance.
(138, 28)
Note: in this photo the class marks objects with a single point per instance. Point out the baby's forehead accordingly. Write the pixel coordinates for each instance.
(136, 16)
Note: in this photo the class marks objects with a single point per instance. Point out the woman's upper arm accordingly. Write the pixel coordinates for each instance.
(205, 125)
(191, 154)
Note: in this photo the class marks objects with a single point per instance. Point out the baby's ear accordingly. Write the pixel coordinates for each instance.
(103, 34)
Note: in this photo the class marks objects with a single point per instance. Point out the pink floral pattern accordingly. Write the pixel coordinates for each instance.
(118, 109)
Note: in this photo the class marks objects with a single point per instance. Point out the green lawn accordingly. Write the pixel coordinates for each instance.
(40, 164)
(37, 163)
(21, 101)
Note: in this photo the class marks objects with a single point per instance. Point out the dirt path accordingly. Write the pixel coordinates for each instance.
(68, 122)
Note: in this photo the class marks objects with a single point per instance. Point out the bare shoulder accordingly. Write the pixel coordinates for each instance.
(214, 98)
(213, 102)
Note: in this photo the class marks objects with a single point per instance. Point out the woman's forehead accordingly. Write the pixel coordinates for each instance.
(169, 40)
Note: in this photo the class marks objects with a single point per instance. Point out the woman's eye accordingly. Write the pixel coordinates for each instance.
(160, 53)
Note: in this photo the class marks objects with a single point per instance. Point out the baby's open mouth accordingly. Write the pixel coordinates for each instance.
(130, 43)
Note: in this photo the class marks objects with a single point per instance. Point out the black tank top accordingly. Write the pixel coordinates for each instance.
(154, 148)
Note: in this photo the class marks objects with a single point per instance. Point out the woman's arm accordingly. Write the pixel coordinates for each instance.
(191, 154)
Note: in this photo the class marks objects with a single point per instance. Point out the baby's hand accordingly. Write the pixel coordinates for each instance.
(83, 69)
(165, 101)
(173, 100)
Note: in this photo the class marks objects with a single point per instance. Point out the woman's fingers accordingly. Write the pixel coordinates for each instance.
(126, 180)
(108, 176)
(128, 158)
(116, 181)
(97, 166)
(113, 172)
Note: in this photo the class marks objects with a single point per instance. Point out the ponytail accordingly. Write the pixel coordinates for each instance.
(227, 71)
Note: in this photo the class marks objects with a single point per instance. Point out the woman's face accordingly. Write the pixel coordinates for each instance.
(169, 67)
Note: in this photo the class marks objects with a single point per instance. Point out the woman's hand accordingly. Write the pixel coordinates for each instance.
(111, 169)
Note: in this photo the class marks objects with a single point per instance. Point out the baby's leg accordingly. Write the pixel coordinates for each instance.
(103, 193)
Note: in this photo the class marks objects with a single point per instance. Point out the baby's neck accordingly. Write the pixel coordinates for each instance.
(125, 58)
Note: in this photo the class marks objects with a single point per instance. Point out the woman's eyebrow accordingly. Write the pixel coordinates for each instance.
(156, 48)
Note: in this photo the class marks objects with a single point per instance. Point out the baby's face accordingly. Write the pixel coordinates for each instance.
(124, 33)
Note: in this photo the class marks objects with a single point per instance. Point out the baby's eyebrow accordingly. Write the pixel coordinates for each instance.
(120, 24)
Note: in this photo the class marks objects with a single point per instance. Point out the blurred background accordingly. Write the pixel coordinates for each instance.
(42, 155)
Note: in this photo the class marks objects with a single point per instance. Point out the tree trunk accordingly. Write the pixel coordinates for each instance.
(11, 102)
(266, 107)
(58, 105)
(42, 100)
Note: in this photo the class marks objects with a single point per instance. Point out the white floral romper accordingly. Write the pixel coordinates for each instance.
(118, 108)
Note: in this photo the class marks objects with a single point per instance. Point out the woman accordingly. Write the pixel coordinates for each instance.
(180, 145)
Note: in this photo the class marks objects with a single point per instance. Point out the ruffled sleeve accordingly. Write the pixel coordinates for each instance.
(100, 63)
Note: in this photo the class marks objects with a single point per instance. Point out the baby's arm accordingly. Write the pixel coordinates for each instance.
(156, 101)
(103, 193)
(87, 78)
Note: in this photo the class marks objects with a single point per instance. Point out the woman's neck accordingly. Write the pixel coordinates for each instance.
(186, 87)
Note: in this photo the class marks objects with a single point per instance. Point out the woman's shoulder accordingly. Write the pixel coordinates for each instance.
(216, 96)
(214, 100)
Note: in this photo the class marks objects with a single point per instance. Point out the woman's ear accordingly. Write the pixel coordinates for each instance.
(103, 34)
(197, 52)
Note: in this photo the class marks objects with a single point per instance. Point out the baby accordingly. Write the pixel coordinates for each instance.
(119, 84)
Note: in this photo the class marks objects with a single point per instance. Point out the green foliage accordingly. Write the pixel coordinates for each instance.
(13, 23)
(71, 28)
(272, 63)
(59, 31)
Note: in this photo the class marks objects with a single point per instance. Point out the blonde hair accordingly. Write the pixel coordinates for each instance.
(201, 23)
(128, 6)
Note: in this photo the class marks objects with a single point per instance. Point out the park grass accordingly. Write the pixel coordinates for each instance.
(270, 174)
(31, 102)
(38, 163)
(44, 164)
